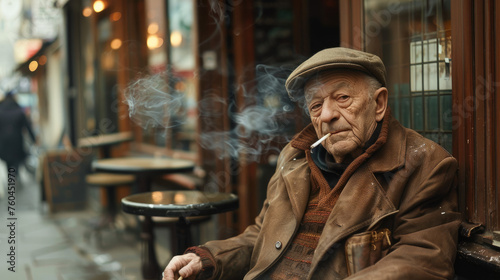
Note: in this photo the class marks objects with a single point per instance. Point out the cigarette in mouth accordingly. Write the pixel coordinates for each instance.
(180, 278)
(320, 140)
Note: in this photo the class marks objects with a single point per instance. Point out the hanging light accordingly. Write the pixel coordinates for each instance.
(116, 16)
(175, 38)
(116, 44)
(42, 60)
(154, 42)
(33, 66)
(87, 12)
(153, 28)
(99, 6)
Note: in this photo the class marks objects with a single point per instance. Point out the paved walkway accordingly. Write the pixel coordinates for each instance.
(54, 247)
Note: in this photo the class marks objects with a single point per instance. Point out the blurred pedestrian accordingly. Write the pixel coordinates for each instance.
(13, 125)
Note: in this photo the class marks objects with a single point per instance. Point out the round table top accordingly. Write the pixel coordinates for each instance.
(142, 165)
(105, 139)
(179, 203)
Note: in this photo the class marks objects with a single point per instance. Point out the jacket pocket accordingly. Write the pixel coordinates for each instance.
(365, 249)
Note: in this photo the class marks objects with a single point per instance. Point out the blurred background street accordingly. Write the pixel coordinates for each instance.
(55, 246)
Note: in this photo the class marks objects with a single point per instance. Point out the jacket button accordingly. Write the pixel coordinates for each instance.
(278, 245)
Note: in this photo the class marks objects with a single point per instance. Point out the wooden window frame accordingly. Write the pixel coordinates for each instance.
(476, 102)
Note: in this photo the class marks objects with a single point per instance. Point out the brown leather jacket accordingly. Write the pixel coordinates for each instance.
(408, 186)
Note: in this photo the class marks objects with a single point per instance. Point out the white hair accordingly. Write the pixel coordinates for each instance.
(372, 83)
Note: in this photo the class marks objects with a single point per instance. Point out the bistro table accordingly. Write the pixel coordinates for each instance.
(181, 204)
(105, 141)
(144, 168)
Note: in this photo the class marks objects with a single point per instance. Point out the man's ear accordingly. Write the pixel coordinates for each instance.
(380, 96)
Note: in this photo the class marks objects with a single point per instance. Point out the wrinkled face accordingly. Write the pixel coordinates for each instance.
(339, 102)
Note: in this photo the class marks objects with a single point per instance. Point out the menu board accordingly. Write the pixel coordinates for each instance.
(64, 179)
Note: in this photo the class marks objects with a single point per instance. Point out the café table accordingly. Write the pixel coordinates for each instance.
(144, 169)
(180, 204)
(105, 141)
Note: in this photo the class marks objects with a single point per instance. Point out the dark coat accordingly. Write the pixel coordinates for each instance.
(13, 122)
(408, 186)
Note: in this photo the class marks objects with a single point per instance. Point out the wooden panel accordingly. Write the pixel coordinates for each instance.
(212, 88)
(491, 127)
(301, 27)
(463, 141)
(495, 89)
(475, 32)
(244, 65)
(479, 112)
(351, 24)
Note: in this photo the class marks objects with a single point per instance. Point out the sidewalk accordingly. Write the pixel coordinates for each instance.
(53, 246)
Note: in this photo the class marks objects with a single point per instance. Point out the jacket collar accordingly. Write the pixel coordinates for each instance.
(386, 157)
(390, 156)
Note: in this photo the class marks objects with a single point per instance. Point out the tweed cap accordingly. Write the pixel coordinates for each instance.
(335, 58)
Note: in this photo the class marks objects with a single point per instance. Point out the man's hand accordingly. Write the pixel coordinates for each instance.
(185, 265)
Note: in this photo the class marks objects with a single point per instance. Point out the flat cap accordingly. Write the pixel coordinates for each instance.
(335, 58)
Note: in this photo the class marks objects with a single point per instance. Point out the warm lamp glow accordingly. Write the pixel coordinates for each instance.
(33, 66)
(175, 39)
(42, 60)
(87, 12)
(153, 28)
(179, 198)
(154, 42)
(116, 44)
(99, 6)
(157, 197)
(116, 16)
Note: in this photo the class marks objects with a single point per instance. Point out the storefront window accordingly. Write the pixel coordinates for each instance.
(171, 59)
(107, 90)
(413, 38)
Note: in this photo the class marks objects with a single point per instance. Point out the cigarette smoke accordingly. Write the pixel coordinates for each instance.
(255, 128)
(152, 102)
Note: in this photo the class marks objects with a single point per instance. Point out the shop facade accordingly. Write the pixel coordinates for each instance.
(203, 80)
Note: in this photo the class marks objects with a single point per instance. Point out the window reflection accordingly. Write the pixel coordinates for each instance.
(413, 38)
(171, 50)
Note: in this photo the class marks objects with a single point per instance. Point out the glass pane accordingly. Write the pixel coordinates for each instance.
(417, 113)
(429, 51)
(154, 88)
(445, 75)
(430, 76)
(169, 91)
(416, 52)
(413, 38)
(433, 136)
(415, 25)
(180, 14)
(183, 81)
(404, 89)
(432, 115)
(444, 48)
(405, 108)
(416, 77)
(107, 92)
(446, 141)
(156, 32)
(394, 101)
(446, 112)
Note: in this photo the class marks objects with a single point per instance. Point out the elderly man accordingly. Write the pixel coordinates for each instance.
(374, 200)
